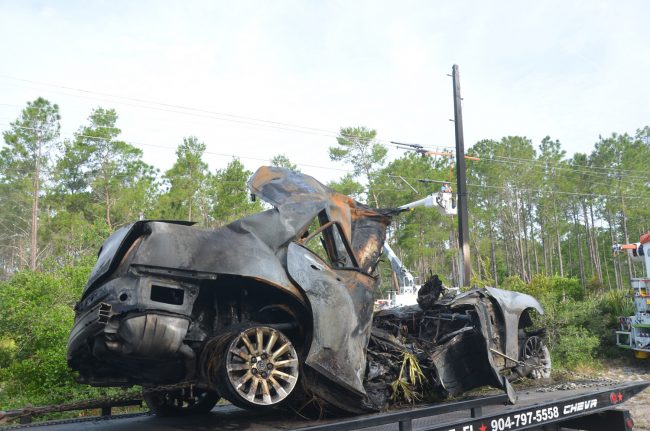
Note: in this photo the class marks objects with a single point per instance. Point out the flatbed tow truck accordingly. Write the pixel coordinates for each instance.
(594, 408)
(590, 407)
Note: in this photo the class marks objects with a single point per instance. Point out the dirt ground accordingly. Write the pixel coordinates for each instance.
(640, 404)
(622, 370)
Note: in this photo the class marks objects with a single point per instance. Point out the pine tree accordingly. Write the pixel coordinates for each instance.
(24, 162)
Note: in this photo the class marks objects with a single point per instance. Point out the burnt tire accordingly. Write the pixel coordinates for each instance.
(258, 368)
(537, 358)
(181, 402)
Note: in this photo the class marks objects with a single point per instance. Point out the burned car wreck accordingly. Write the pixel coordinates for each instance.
(276, 309)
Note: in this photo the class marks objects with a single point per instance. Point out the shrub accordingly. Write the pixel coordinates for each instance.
(575, 347)
(616, 303)
(7, 351)
(580, 323)
(595, 285)
(567, 288)
(515, 283)
(37, 314)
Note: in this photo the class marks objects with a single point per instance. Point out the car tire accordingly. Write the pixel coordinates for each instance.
(181, 402)
(535, 352)
(258, 368)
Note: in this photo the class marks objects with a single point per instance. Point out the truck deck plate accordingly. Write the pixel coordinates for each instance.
(533, 409)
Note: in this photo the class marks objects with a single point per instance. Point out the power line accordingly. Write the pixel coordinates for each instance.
(503, 160)
(565, 167)
(168, 105)
(205, 152)
(557, 192)
(203, 113)
(350, 171)
(258, 122)
(496, 159)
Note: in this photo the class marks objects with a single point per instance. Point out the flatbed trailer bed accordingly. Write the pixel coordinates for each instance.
(591, 409)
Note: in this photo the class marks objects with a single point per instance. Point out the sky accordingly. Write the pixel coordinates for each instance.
(254, 79)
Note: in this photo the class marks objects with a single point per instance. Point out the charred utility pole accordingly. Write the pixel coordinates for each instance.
(461, 183)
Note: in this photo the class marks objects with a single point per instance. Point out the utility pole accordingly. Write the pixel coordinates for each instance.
(461, 183)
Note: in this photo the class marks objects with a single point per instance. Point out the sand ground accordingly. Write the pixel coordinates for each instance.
(640, 404)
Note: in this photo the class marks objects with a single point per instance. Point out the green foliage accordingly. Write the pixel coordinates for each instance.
(616, 303)
(575, 347)
(35, 323)
(358, 147)
(187, 197)
(408, 385)
(8, 350)
(348, 186)
(105, 177)
(580, 327)
(72, 238)
(421, 238)
(515, 283)
(568, 288)
(545, 288)
(232, 195)
(595, 285)
(283, 161)
(24, 165)
(481, 282)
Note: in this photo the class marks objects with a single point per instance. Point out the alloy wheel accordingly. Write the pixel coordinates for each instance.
(261, 366)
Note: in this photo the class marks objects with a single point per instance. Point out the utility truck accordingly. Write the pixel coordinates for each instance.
(408, 285)
(634, 331)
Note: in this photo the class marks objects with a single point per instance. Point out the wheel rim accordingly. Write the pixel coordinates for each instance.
(262, 365)
(534, 351)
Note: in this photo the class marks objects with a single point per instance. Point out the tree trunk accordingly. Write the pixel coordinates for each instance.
(107, 191)
(33, 251)
(617, 270)
(495, 276)
(453, 240)
(107, 201)
(557, 234)
(581, 263)
(609, 280)
(544, 239)
(548, 252)
(479, 270)
(598, 263)
(21, 252)
(590, 242)
(508, 269)
(519, 240)
(627, 237)
(532, 236)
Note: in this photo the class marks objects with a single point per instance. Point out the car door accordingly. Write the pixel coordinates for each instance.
(341, 299)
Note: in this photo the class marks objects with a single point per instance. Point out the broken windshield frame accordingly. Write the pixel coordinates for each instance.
(338, 250)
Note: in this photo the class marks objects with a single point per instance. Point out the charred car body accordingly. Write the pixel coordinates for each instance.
(274, 309)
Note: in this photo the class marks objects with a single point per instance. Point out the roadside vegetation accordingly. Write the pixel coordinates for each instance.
(580, 324)
(540, 223)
